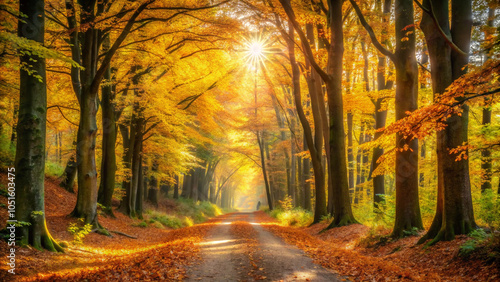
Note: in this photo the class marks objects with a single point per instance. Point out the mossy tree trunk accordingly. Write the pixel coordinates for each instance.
(31, 127)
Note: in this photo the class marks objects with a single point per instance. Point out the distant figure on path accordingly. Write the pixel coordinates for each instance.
(258, 205)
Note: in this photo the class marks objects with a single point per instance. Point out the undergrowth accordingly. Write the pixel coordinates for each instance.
(187, 214)
(79, 230)
(289, 216)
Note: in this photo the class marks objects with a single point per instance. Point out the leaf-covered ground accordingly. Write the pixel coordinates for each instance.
(164, 254)
(345, 251)
(155, 254)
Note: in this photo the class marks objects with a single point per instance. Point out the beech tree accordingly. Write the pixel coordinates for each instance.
(333, 81)
(30, 147)
(407, 201)
(448, 42)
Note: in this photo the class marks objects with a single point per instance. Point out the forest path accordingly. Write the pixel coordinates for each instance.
(239, 249)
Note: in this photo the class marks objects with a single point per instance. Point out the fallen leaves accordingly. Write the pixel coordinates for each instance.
(244, 231)
(439, 263)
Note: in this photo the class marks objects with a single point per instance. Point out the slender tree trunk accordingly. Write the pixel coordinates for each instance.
(407, 205)
(261, 141)
(153, 191)
(186, 185)
(176, 187)
(128, 137)
(140, 190)
(342, 204)
(306, 185)
(359, 163)
(486, 161)
(29, 162)
(138, 122)
(380, 119)
(315, 149)
(108, 163)
(15, 117)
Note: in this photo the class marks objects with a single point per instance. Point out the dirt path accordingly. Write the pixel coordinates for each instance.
(229, 257)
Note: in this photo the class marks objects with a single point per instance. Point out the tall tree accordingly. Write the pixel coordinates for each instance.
(486, 162)
(380, 114)
(404, 59)
(31, 131)
(91, 77)
(333, 81)
(448, 53)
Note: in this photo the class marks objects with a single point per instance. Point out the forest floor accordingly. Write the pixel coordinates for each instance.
(238, 246)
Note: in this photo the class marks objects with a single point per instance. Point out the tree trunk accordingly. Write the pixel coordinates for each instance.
(138, 122)
(350, 154)
(407, 205)
(86, 204)
(140, 190)
(342, 204)
(486, 161)
(69, 174)
(306, 185)
(108, 163)
(454, 213)
(176, 187)
(15, 117)
(359, 163)
(380, 119)
(128, 137)
(31, 127)
(186, 185)
(261, 141)
(153, 191)
(315, 149)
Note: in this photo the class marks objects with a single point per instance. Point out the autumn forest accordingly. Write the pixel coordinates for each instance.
(242, 140)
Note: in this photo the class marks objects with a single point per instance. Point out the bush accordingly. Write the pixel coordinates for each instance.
(142, 224)
(165, 219)
(79, 230)
(478, 237)
(488, 210)
(197, 211)
(53, 169)
(293, 217)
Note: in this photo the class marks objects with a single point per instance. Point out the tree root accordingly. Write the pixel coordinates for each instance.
(123, 234)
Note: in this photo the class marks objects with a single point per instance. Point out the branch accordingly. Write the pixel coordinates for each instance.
(201, 50)
(58, 107)
(123, 234)
(370, 31)
(94, 88)
(291, 16)
(430, 12)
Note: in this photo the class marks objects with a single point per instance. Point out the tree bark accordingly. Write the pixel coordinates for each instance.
(260, 140)
(140, 189)
(176, 187)
(128, 138)
(454, 213)
(153, 191)
(342, 204)
(407, 201)
(29, 162)
(486, 161)
(315, 149)
(69, 174)
(108, 163)
(306, 185)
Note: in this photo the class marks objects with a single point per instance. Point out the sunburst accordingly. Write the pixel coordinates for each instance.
(256, 51)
